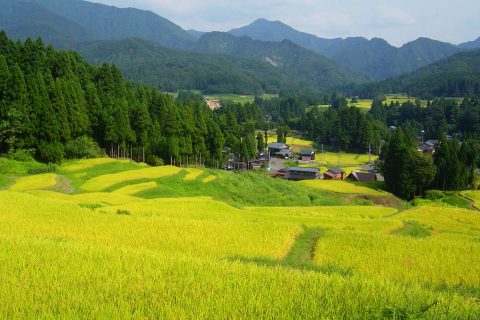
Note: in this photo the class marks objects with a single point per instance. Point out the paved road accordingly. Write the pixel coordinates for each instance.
(276, 164)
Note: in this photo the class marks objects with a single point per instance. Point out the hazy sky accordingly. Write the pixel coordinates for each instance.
(397, 21)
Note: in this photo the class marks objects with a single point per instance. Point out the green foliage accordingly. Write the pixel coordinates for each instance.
(5, 181)
(11, 167)
(434, 194)
(455, 76)
(42, 168)
(406, 171)
(60, 106)
(452, 172)
(413, 229)
(154, 161)
(50, 152)
(21, 155)
(83, 148)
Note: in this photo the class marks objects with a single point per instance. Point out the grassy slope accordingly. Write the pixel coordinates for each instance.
(110, 255)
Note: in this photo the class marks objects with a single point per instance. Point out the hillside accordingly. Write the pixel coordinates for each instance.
(103, 239)
(67, 22)
(168, 69)
(302, 63)
(23, 19)
(375, 57)
(456, 76)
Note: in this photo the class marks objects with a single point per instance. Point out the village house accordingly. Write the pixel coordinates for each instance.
(363, 176)
(334, 174)
(275, 147)
(428, 147)
(298, 174)
(307, 154)
(279, 150)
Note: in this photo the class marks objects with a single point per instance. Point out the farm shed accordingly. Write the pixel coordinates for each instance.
(334, 174)
(298, 173)
(307, 154)
(363, 176)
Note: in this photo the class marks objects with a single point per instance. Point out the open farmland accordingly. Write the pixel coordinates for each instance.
(130, 241)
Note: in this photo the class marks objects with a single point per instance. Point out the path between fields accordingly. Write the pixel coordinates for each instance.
(300, 255)
(64, 184)
(471, 201)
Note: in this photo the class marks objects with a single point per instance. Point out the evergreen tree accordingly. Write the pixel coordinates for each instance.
(260, 142)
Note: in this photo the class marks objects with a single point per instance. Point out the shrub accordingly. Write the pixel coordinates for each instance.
(39, 168)
(83, 148)
(50, 152)
(154, 161)
(22, 155)
(434, 195)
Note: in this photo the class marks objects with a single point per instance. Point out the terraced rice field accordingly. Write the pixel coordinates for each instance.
(343, 159)
(138, 253)
(474, 196)
(105, 181)
(364, 104)
(340, 187)
(41, 181)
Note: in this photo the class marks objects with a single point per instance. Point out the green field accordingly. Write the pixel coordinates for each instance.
(237, 98)
(364, 104)
(114, 239)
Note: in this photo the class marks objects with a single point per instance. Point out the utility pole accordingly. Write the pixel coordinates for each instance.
(322, 155)
(369, 154)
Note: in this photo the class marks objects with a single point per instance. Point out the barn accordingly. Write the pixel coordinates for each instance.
(334, 174)
(298, 174)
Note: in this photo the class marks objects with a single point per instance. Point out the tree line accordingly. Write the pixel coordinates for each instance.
(54, 103)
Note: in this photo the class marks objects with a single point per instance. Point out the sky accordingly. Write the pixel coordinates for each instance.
(397, 21)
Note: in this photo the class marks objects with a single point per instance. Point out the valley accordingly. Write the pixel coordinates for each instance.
(148, 171)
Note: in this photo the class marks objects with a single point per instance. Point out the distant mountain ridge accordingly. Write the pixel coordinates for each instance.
(285, 55)
(471, 44)
(67, 22)
(171, 69)
(26, 19)
(455, 76)
(376, 57)
(274, 49)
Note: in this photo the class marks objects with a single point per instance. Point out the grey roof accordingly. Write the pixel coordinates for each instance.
(307, 151)
(277, 145)
(284, 152)
(426, 147)
(364, 176)
(301, 169)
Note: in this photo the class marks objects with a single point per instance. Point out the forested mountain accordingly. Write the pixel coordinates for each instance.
(24, 19)
(53, 102)
(63, 22)
(375, 57)
(471, 44)
(115, 23)
(455, 76)
(169, 69)
(297, 61)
